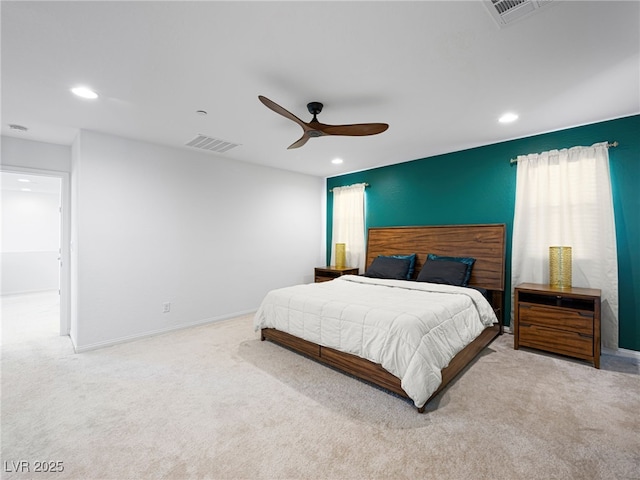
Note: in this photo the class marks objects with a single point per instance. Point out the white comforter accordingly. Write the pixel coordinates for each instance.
(412, 329)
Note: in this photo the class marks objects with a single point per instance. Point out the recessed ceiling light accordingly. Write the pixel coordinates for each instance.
(84, 92)
(336, 161)
(25, 189)
(508, 118)
(24, 180)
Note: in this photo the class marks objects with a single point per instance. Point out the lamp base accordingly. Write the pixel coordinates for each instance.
(560, 267)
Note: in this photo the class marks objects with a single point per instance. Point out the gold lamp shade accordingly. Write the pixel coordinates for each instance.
(341, 255)
(560, 267)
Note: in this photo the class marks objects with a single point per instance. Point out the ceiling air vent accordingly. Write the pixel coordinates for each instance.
(211, 144)
(508, 11)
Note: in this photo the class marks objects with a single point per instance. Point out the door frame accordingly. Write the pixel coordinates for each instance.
(65, 238)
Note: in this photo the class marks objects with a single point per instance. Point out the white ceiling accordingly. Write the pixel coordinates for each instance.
(439, 73)
(23, 182)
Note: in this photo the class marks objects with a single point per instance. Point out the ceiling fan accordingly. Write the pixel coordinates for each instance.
(316, 129)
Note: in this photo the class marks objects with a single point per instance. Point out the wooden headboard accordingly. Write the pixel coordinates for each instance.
(485, 243)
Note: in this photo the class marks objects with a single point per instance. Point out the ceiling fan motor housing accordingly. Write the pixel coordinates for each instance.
(314, 107)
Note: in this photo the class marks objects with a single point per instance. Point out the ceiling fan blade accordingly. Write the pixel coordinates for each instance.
(316, 129)
(356, 130)
(300, 142)
(278, 109)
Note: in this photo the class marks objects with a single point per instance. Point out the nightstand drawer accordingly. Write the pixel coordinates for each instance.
(560, 341)
(577, 321)
(558, 320)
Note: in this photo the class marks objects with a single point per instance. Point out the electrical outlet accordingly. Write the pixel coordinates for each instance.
(166, 307)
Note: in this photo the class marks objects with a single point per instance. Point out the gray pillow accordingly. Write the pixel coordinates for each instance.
(443, 271)
(468, 261)
(388, 267)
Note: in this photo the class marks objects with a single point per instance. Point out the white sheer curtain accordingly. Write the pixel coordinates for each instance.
(563, 197)
(348, 224)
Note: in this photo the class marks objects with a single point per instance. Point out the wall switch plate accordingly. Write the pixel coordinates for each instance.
(166, 307)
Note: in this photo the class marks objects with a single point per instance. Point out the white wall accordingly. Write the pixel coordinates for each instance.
(153, 224)
(74, 294)
(37, 155)
(30, 241)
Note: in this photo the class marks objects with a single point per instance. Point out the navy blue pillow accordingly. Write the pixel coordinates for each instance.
(412, 263)
(468, 261)
(388, 267)
(443, 271)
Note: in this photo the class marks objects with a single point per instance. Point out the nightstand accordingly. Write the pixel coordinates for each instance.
(324, 274)
(558, 320)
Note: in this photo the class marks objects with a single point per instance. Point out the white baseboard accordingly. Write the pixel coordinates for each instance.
(131, 338)
(29, 292)
(621, 352)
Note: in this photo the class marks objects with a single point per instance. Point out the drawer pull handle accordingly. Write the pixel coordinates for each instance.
(524, 306)
(585, 314)
(584, 335)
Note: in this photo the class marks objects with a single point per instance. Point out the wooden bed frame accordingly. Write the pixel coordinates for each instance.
(485, 243)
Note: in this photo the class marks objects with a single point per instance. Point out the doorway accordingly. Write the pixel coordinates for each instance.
(34, 248)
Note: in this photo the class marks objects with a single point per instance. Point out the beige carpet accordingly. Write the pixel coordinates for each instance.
(215, 402)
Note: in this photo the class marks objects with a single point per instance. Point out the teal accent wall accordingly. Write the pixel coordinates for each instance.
(478, 186)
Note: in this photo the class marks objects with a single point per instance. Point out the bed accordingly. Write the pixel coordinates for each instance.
(407, 336)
